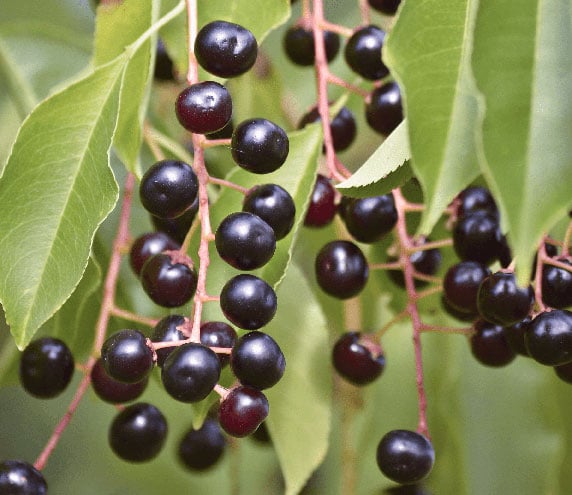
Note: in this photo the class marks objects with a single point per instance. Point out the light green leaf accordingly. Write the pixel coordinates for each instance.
(56, 189)
(300, 404)
(522, 64)
(429, 52)
(387, 168)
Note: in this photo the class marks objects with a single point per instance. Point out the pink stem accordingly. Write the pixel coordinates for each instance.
(230, 185)
(129, 316)
(338, 81)
(364, 10)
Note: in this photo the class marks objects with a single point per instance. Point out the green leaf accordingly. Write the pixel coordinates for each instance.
(526, 152)
(300, 404)
(387, 168)
(58, 188)
(429, 52)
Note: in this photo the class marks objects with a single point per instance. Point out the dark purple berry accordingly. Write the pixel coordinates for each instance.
(322, 208)
(248, 302)
(461, 285)
(477, 237)
(163, 64)
(564, 372)
(387, 7)
(358, 358)
(201, 449)
(343, 127)
(458, 315)
(190, 372)
(474, 199)
(341, 269)
(168, 188)
(225, 49)
(298, 44)
(224, 133)
(218, 334)
(369, 219)
(46, 367)
(259, 146)
(138, 433)
(274, 205)
(548, 337)
(110, 390)
(489, 344)
(126, 356)
(204, 107)
(168, 283)
(177, 228)
(167, 330)
(515, 336)
(405, 456)
(363, 53)
(242, 411)
(557, 285)
(21, 478)
(384, 111)
(257, 360)
(148, 245)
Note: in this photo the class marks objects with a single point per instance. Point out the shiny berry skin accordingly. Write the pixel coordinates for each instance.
(500, 300)
(46, 367)
(548, 337)
(257, 360)
(387, 7)
(343, 127)
(458, 315)
(322, 207)
(245, 241)
(341, 269)
(274, 205)
(110, 390)
(248, 302)
(476, 198)
(190, 372)
(225, 49)
(168, 284)
(163, 64)
(405, 456)
(138, 433)
(461, 285)
(369, 219)
(363, 53)
(242, 411)
(477, 237)
(489, 344)
(21, 478)
(168, 188)
(564, 372)
(204, 107)
(515, 336)
(259, 146)
(218, 334)
(166, 331)
(557, 285)
(224, 133)
(384, 111)
(358, 358)
(126, 356)
(298, 43)
(201, 449)
(148, 245)
(177, 228)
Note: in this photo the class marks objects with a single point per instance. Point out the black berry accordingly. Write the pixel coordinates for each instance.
(548, 337)
(163, 64)
(148, 245)
(168, 188)
(204, 107)
(515, 336)
(387, 7)
(358, 358)
(224, 133)
(21, 478)
(489, 344)
(476, 198)
(363, 53)
(384, 111)
(298, 44)
(564, 372)
(242, 411)
(127, 357)
(177, 228)
(342, 126)
(201, 449)
(557, 285)
(113, 391)
(461, 285)
(218, 334)
(369, 219)
(477, 237)
(167, 331)
(322, 207)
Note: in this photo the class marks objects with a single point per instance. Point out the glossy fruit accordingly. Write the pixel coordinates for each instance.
(358, 358)
(224, 133)
(322, 207)
(166, 331)
(557, 285)
(46, 367)
(225, 49)
(138, 433)
(248, 302)
(126, 356)
(342, 126)
(245, 241)
(298, 43)
(274, 205)
(461, 285)
(405, 456)
(489, 344)
(242, 411)
(384, 111)
(369, 219)
(218, 334)
(477, 237)
(341, 269)
(148, 245)
(257, 360)
(458, 315)
(204, 107)
(515, 336)
(168, 188)
(476, 198)
(502, 301)
(548, 337)
(110, 390)
(259, 146)
(363, 53)
(190, 372)
(163, 64)
(201, 449)
(177, 228)
(21, 478)
(387, 7)
(167, 283)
